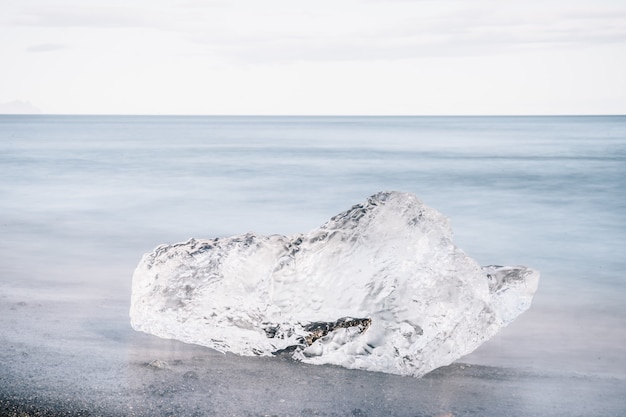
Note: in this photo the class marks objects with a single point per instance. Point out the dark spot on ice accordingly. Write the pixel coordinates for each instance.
(316, 330)
(320, 329)
(271, 331)
(286, 351)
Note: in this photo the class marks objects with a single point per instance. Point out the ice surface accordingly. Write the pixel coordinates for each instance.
(380, 287)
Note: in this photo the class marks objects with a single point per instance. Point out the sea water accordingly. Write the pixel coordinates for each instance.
(83, 197)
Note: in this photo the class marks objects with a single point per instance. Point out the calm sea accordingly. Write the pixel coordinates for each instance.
(83, 197)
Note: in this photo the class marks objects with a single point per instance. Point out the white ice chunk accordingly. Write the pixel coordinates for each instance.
(380, 287)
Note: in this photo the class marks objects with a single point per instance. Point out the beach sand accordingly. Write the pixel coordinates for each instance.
(79, 357)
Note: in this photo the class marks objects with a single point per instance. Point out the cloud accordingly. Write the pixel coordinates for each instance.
(46, 47)
(406, 33)
(87, 16)
(352, 30)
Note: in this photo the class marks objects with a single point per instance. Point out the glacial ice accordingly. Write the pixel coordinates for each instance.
(379, 287)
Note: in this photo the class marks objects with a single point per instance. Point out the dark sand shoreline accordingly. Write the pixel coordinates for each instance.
(89, 362)
(64, 355)
(184, 389)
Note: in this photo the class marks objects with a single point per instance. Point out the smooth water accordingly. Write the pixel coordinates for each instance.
(83, 197)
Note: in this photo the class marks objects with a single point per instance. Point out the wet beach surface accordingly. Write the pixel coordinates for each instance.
(81, 358)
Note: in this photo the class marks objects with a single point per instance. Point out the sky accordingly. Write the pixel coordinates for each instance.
(323, 57)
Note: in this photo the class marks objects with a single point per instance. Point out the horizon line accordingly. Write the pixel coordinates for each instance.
(313, 115)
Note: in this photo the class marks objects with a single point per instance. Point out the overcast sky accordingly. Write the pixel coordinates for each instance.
(314, 57)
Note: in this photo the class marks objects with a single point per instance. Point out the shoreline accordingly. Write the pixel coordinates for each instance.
(183, 389)
(87, 361)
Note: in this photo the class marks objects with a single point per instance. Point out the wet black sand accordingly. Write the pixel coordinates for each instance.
(81, 358)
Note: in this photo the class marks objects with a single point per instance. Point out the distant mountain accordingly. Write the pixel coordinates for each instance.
(18, 107)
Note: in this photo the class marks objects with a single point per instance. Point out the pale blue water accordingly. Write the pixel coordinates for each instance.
(83, 197)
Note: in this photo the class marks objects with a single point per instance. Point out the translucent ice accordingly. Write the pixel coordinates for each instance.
(379, 287)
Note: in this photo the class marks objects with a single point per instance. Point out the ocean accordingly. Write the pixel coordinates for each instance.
(82, 198)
